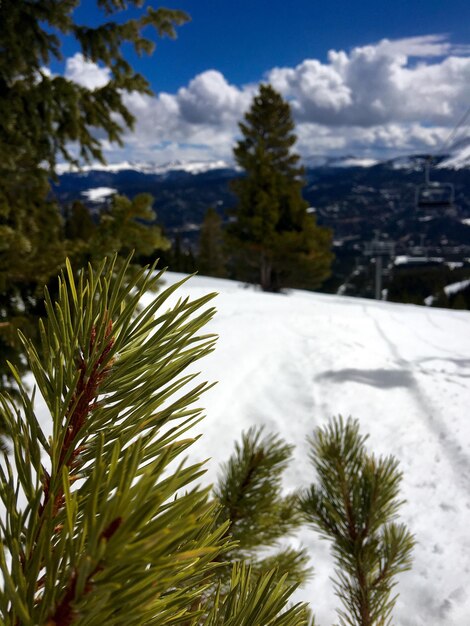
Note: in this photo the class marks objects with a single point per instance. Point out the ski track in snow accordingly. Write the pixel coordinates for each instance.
(451, 448)
(290, 362)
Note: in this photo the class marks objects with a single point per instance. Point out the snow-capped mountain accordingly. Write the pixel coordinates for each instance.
(191, 167)
(353, 196)
(459, 157)
(345, 161)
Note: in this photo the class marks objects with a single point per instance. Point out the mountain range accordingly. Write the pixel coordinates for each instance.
(343, 191)
(358, 198)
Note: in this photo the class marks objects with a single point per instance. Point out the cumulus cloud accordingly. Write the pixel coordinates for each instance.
(385, 98)
(209, 99)
(86, 73)
(380, 84)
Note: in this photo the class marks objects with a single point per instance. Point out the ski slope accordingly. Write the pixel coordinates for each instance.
(290, 362)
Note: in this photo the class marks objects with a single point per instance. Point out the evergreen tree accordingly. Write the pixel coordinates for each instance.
(78, 223)
(122, 224)
(210, 260)
(100, 525)
(274, 240)
(181, 258)
(128, 225)
(354, 506)
(41, 116)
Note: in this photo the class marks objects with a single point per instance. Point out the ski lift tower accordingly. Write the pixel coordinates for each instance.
(379, 250)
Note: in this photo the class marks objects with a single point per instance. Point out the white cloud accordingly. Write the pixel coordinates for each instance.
(86, 73)
(317, 91)
(380, 84)
(381, 99)
(209, 99)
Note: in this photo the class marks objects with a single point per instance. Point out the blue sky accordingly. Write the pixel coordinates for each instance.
(358, 98)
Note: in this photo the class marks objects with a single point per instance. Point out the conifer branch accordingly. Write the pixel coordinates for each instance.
(354, 505)
(260, 516)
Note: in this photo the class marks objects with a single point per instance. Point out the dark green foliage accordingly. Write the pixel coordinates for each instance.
(461, 300)
(41, 114)
(414, 284)
(128, 225)
(274, 240)
(181, 257)
(100, 525)
(79, 225)
(211, 258)
(249, 491)
(354, 506)
(41, 117)
(122, 225)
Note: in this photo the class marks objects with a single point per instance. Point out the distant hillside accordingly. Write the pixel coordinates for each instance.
(357, 198)
(352, 199)
(354, 196)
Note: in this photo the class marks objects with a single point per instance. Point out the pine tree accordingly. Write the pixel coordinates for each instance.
(354, 505)
(210, 259)
(274, 240)
(41, 116)
(181, 257)
(78, 223)
(249, 492)
(103, 523)
(128, 225)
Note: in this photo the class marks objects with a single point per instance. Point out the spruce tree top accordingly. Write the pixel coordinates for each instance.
(268, 134)
(270, 198)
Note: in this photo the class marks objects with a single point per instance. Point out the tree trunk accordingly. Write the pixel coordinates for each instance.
(265, 273)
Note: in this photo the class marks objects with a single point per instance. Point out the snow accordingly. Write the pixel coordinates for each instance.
(196, 167)
(456, 287)
(460, 158)
(403, 259)
(356, 162)
(290, 362)
(192, 167)
(410, 163)
(98, 194)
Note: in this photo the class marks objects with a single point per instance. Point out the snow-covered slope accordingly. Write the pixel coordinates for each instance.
(292, 361)
(459, 157)
(98, 194)
(289, 362)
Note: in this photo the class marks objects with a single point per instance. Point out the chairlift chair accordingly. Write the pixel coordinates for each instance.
(433, 198)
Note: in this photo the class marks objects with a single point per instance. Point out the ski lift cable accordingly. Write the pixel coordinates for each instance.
(434, 195)
(453, 133)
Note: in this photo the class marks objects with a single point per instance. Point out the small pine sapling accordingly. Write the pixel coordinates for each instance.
(354, 506)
